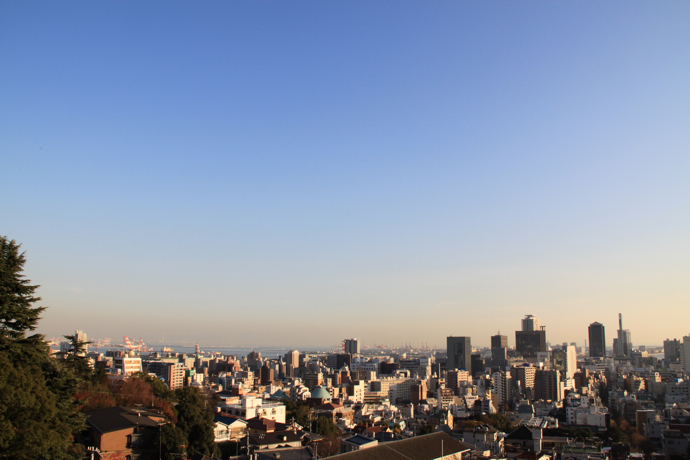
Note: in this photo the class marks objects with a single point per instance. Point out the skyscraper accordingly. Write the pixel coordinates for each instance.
(597, 340)
(499, 350)
(499, 341)
(672, 350)
(291, 362)
(530, 323)
(622, 346)
(81, 337)
(459, 353)
(685, 354)
(351, 346)
(531, 339)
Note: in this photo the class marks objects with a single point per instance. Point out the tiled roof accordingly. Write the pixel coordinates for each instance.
(276, 437)
(120, 418)
(427, 447)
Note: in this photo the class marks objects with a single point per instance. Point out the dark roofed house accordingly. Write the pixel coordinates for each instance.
(357, 442)
(265, 425)
(276, 440)
(121, 432)
(435, 446)
(286, 453)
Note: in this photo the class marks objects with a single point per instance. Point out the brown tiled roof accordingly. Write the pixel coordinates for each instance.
(120, 418)
(427, 447)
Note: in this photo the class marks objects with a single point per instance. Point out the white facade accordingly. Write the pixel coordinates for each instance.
(251, 406)
(127, 366)
(570, 361)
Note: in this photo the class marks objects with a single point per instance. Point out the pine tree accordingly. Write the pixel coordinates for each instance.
(195, 420)
(38, 413)
(17, 315)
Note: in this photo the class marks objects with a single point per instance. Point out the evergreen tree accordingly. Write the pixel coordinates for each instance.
(75, 357)
(38, 413)
(195, 420)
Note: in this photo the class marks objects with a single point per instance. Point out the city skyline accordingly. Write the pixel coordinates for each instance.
(250, 173)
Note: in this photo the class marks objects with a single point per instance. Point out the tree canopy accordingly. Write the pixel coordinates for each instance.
(38, 413)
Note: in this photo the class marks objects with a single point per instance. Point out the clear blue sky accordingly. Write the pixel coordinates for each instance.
(296, 173)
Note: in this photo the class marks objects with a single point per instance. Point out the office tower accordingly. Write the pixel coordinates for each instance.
(81, 337)
(418, 392)
(525, 378)
(254, 360)
(685, 354)
(547, 385)
(622, 346)
(499, 341)
(266, 375)
(530, 324)
(499, 357)
(672, 350)
(351, 346)
(570, 361)
(499, 350)
(477, 363)
(597, 341)
(531, 339)
(459, 350)
(503, 383)
(291, 363)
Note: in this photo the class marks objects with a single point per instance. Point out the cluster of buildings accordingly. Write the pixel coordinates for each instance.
(381, 397)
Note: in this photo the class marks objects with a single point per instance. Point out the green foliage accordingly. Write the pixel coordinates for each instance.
(75, 358)
(299, 411)
(612, 434)
(326, 427)
(195, 420)
(229, 449)
(17, 313)
(578, 434)
(499, 421)
(30, 415)
(38, 413)
(427, 429)
(171, 440)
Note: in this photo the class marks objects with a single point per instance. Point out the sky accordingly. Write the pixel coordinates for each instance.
(298, 173)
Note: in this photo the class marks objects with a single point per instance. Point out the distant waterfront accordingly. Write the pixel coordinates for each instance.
(268, 352)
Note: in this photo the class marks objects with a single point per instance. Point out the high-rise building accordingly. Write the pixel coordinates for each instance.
(499, 357)
(351, 346)
(499, 341)
(531, 339)
(291, 363)
(266, 375)
(529, 343)
(459, 353)
(499, 350)
(597, 340)
(477, 363)
(525, 378)
(685, 354)
(81, 337)
(570, 361)
(254, 360)
(530, 324)
(502, 382)
(547, 385)
(622, 346)
(672, 350)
